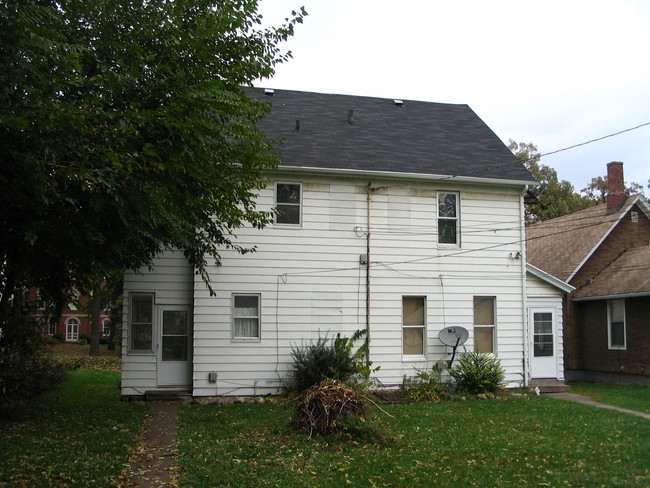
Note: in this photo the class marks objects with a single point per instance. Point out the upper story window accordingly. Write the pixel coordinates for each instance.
(141, 337)
(616, 336)
(288, 201)
(484, 324)
(448, 218)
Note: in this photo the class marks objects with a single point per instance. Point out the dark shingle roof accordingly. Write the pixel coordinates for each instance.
(561, 245)
(374, 134)
(628, 275)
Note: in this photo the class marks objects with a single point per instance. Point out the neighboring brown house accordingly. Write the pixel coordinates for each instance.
(604, 252)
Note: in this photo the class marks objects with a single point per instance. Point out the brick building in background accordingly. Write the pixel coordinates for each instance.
(604, 252)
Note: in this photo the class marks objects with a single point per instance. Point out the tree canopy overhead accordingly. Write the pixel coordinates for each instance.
(125, 129)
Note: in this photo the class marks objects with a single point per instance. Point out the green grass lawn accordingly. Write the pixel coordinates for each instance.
(79, 435)
(626, 396)
(520, 442)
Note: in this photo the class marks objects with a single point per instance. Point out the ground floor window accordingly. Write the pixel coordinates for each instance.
(484, 324)
(413, 325)
(51, 328)
(246, 314)
(616, 324)
(72, 330)
(141, 338)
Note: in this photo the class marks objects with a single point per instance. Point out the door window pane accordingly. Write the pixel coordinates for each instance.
(174, 348)
(543, 334)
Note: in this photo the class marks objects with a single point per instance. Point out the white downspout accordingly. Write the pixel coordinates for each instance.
(524, 291)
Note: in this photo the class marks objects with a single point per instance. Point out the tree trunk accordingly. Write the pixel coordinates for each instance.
(95, 313)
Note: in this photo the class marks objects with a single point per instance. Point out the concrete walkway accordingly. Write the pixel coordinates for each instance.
(153, 465)
(575, 397)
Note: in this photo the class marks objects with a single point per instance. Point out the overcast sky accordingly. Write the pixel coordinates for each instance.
(555, 73)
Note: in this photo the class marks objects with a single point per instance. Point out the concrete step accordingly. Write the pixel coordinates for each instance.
(167, 395)
(549, 385)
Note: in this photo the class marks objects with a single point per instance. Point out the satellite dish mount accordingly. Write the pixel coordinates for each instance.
(454, 337)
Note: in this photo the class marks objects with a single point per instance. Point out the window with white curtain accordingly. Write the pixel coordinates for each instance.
(246, 313)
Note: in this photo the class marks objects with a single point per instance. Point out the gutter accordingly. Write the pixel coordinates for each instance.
(612, 297)
(406, 176)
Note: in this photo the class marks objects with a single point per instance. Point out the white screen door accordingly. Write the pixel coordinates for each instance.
(174, 346)
(544, 346)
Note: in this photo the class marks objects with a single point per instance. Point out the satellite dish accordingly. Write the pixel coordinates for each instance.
(453, 336)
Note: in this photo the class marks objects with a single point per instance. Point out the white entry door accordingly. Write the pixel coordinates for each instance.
(543, 362)
(174, 346)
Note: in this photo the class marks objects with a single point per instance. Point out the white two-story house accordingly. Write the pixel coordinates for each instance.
(401, 218)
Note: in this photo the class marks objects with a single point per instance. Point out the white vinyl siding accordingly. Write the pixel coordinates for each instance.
(312, 283)
(170, 283)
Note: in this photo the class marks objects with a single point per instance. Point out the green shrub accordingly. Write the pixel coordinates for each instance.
(477, 373)
(426, 386)
(58, 336)
(27, 367)
(321, 360)
(84, 337)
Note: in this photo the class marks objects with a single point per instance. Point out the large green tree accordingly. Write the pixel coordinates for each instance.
(552, 197)
(125, 130)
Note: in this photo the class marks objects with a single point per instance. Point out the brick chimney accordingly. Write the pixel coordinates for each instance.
(615, 186)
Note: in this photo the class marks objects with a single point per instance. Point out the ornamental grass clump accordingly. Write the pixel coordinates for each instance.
(325, 359)
(478, 373)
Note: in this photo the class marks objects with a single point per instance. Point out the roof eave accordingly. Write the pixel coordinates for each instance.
(398, 175)
(614, 296)
(549, 278)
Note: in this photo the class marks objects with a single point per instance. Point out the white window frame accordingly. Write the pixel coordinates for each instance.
(106, 331)
(492, 326)
(234, 316)
(72, 335)
(51, 328)
(422, 326)
(618, 347)
(277, 204)
(152, 297)
(439, 198)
